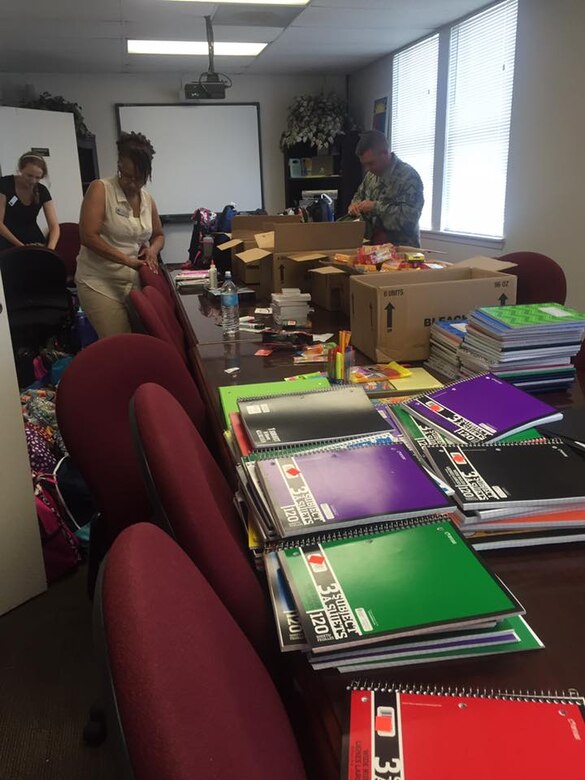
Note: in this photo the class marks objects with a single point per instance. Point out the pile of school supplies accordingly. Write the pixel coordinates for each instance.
(383, 380)
(192, 280)
(529, 345)
(387, 257)
(291, 307)
(445, 342)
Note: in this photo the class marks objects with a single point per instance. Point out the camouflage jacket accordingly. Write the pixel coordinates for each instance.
(398, 195)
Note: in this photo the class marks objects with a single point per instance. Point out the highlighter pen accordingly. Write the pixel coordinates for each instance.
(338, 366)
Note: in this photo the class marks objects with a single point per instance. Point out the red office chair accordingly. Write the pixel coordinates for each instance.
(150, 279)
(167, 315)
(68, 247)
(196, 501)
(540, 278)
(92, 410)
(150, 320)
(192, 697)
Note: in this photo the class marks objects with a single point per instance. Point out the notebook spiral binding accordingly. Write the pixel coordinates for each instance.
(571, 696)
(359, 531)
(331, 389)
(495, 444)
(329, 445)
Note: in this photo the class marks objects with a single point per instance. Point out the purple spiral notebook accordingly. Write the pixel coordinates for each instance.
(481, 409)
(319, 490)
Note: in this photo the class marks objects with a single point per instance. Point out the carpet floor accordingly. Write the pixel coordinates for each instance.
(48, 680)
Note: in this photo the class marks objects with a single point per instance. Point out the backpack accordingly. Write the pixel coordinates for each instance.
(204, 223)
(320, 209)
(61, 552)
(224, 220)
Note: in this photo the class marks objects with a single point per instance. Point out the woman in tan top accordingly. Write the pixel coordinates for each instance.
(120, 231)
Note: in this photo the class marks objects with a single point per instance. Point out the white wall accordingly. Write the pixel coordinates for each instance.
(97, 94)
(545, 207)
(22, 572)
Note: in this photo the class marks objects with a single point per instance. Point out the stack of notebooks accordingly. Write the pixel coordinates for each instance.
(392, 594)
(513, 487)
(519, 493)
(445, 341)
(419, 733)
(530, 345)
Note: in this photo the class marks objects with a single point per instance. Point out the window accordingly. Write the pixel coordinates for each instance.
(414, 108)
(451, 111)
(479, 102)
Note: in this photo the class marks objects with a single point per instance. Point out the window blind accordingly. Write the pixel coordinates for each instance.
(479, 102)
(414, 105)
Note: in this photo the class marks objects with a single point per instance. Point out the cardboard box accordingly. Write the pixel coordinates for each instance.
(296, 267)
(391, 313)
(252, 268)
(245, 227)
(327, 287)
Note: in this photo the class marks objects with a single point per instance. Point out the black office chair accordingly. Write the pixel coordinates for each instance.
(37, 302)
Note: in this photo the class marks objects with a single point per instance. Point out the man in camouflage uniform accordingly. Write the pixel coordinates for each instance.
(390, 197)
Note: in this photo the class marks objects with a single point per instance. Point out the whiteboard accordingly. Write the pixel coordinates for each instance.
(22, 129)
(205, 155)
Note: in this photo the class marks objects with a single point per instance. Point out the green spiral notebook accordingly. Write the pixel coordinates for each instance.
(366, 588)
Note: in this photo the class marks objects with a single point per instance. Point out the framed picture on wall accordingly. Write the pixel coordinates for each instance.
(380, 114)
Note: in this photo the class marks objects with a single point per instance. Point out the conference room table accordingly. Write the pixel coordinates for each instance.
(549, 581)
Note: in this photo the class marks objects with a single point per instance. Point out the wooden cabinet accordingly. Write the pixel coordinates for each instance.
(306, 168)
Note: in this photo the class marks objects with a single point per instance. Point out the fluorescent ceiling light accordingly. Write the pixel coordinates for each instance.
(254, 2)
(195, 48)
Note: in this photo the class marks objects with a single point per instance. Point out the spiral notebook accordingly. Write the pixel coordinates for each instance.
(514, 475)
(301, 418)
(481, 409)
(407, 579)
(336, 488)
(415, 733)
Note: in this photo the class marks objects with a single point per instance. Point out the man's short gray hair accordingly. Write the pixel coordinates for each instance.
(371, 140)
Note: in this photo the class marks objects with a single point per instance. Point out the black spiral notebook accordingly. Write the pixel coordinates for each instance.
(515, 475)
(300, 418)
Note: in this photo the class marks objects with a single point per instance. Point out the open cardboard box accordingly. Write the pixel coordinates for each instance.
(328, 285)
(245, 227)
(392, 313)
(292, 250)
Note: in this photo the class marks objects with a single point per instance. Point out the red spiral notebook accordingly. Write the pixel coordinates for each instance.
(418, 735)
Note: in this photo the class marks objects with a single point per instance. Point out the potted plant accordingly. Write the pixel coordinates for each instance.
(47, 102)
(316, 120)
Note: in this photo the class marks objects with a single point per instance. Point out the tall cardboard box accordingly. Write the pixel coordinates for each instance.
(392, 313)
(246, 226)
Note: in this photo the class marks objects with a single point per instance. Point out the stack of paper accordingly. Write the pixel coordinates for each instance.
(446, 339)
(530, 345)
(192, 280)
(291, 306)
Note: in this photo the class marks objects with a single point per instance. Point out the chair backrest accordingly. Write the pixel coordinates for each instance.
(33, 277)
(68, 247)
(92, 410)
(193, 698)
(197, 505)
(167, 315)
(540, 278)
(150, 279)
(152, 322)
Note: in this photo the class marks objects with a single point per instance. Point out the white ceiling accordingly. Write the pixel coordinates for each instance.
(327, 36)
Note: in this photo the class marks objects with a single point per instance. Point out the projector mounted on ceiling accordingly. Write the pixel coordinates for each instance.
(211, 85)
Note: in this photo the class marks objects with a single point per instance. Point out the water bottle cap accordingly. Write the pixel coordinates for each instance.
(228, 274)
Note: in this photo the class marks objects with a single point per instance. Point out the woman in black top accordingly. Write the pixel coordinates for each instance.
(21, 198)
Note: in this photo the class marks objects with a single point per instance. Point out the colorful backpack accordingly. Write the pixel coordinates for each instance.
(61, 552)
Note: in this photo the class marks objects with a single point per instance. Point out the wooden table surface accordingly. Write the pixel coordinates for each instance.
(549, 581)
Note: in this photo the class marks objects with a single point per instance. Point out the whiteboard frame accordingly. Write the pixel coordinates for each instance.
(180, 218)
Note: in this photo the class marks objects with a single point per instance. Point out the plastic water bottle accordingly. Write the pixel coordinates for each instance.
(230, 310)
(85, 332)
